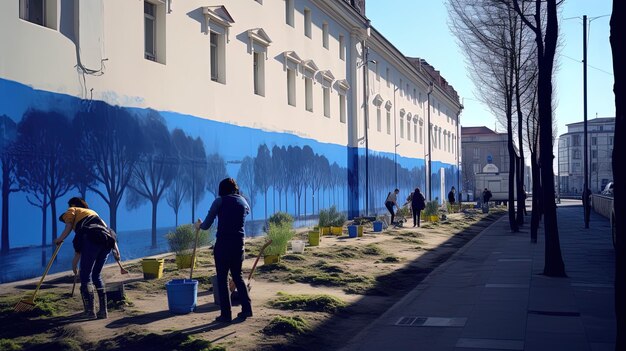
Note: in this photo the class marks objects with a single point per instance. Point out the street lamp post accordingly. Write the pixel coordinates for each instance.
(586, 161)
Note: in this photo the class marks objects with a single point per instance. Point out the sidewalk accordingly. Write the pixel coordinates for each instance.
(491, 296)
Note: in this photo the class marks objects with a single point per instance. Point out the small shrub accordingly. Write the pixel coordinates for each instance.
(316, 303)
(432, 208)
(404, 212)
(331, 218)
(279, 218)
(181, 241)
(280, 236)
(390, 259)
(282, 325)
(372, 250)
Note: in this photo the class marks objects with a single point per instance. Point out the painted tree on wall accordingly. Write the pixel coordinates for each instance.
(107, 136)
(263, 171)
(216, 171)
(179, 188)
(45, 156)
(245, 179)
(196, 162)
(280, 176)
(8, 135)
(320, 175)
(296, 173)
(155, 169)
(308, 170)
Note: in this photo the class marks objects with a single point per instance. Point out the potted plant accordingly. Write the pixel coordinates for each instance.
(431, 211)
(336, 221)
(280, 235)
(181, 241)
(324, 222)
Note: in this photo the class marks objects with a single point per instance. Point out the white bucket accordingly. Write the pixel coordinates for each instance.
(297, 246)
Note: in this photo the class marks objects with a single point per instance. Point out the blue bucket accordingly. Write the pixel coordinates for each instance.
(352, 231)
(182, 295)
(378, 226)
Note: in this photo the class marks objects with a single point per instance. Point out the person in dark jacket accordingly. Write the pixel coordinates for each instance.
(231, 210)
(451, 198)
(92, 244)
(418, 203)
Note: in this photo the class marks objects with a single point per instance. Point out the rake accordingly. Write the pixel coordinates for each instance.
(28, 304)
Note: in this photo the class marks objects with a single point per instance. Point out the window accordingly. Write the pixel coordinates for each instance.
(476, 168)
(610, 140)
(217, 57)
(325, 35)
(401, 126)
(594, 167)
(33, 11)
(408, 127)
(326, 92)
(378, 119)
(594, 153)
(308, 94)
(289, 10)
(377, 66)
(218, 21)
(388, 122)
(594, 141)
(342, 47)
(307, 22)
(476, 153)
(421, 133)
(415, 131)
(291, 87)
(420, 99)
(576, 140)
(414, 96)
(387, 77)
(149, 14)
(400, 86)
(258, 73)
(342, 108)
(576, 155)
(408, 94)
(438, 109)
(439, 139)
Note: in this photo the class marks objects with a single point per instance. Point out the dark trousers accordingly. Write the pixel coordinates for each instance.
(230, 261)
(92, 259)
(389, 206)
(416, 215)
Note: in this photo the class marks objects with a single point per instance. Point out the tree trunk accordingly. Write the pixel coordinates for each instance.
(554, 265)
(617, 39)
(512, 164)
(155, 203)
(535, 216)
(113, 212)
(6, 191)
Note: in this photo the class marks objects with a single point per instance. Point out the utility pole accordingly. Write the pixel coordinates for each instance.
(586, 193)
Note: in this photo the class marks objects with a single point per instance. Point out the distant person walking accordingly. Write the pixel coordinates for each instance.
(418, 203)
(451, 198)
(92, 244)
(486, 197)
(392, 200)
(231, 210)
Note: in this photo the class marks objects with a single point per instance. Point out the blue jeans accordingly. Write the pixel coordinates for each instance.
(230, 259)
(92, 259)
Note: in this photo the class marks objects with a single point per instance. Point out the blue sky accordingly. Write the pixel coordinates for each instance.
(419, 28)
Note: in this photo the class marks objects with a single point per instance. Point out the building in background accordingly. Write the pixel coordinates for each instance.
(480, 146)
(148, 104)
(571, 157)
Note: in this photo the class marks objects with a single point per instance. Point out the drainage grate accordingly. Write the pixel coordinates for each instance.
(408, 321)
(555, 313)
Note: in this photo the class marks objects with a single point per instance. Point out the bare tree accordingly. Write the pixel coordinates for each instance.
(618, 47)
(490, 35)
(546, 38)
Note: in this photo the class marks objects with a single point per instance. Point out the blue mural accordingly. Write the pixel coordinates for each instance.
(147, 171)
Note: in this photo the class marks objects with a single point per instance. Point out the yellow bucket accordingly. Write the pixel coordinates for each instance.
(152, 268)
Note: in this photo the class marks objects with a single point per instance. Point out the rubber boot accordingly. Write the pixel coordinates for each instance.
(89, 308)
(102, 299)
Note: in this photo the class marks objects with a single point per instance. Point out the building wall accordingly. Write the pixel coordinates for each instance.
(476, 150)
(84, 75)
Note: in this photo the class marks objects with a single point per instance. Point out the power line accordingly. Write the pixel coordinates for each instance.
(588, 65)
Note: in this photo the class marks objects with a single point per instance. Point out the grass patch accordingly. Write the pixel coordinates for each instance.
(316, 303)
(9, 345)
(390, 259)
(373, 250)
(282, 325)
(274, 267)
(294, 257)
(173, 341)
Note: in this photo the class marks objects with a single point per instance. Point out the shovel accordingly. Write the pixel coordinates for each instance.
(28, 304)
(234, 294)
